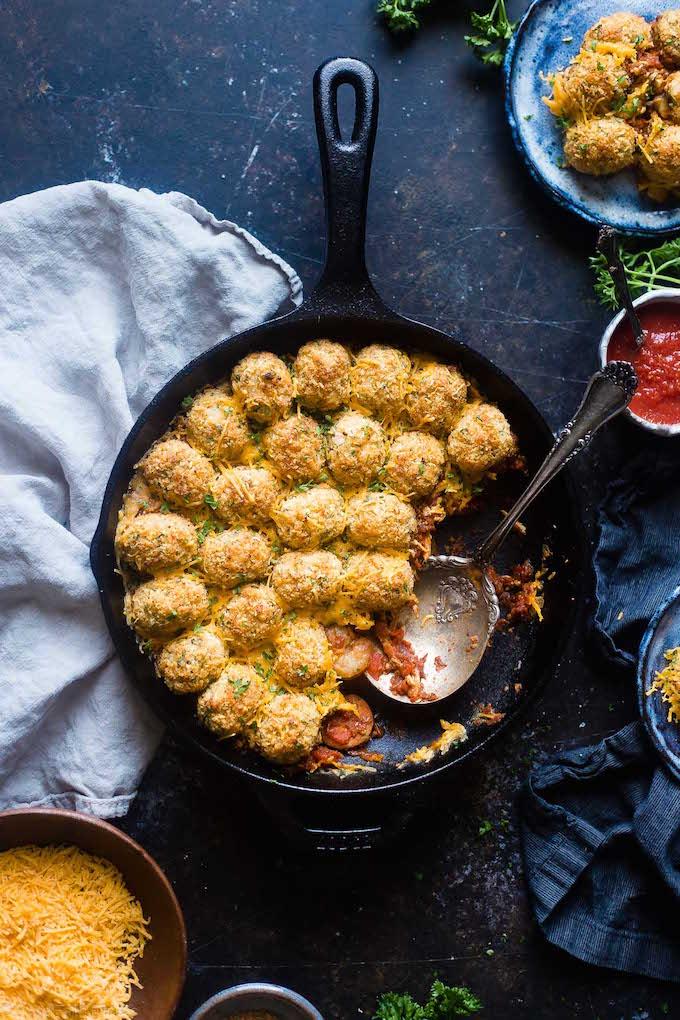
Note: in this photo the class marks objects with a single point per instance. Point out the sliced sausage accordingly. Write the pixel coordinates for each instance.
(351, 652)
(345, 729)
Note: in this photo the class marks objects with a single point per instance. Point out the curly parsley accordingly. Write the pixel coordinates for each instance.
(491, 34)
(444, 1003)
(400, 15)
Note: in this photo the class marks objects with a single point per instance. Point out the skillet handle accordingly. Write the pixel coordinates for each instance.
(331, 824)
(346, 169)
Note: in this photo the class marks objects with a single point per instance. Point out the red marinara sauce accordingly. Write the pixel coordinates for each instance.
(657, 363)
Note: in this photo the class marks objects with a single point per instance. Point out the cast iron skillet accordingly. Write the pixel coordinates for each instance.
(330, 809)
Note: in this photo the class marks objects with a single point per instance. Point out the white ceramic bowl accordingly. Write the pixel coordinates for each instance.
(282, 1002)
(668, 296)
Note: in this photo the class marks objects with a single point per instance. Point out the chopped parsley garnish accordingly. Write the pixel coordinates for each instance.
(240, 685)
(206, 527)
(165, 508)
(210, 501)
(187, 402)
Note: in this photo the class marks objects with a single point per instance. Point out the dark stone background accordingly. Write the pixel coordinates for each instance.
(212, 97)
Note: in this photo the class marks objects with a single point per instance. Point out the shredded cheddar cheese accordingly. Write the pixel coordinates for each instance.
(70, 932)
(656, 128)
(668, 682)
(452, 734)
(622, 51)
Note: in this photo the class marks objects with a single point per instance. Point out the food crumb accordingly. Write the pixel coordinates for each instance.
(486, 715)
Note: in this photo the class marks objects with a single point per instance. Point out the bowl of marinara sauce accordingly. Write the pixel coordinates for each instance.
(656, 403)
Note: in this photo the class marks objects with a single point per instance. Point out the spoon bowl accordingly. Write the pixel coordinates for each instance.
(450, 628)
(457, 607)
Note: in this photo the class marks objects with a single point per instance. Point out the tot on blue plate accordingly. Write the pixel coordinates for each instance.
(548, 37)
(662, 634)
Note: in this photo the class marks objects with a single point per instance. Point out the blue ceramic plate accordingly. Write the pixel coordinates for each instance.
(662, 633)
(539, 45)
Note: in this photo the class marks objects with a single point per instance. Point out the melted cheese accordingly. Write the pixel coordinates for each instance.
(656, 128)
(452, 734)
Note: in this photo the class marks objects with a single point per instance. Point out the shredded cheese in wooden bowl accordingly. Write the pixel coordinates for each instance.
(70, 933)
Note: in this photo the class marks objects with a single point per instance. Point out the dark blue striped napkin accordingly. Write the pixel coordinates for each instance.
(601, 824)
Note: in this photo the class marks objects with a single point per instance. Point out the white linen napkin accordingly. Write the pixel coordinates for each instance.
(105, 293)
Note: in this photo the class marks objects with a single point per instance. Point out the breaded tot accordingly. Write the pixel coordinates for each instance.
(481, 439)
(230, 704)
(307, 578)
(287, 729)
(601, 146)
(295, 448)
(305, 520)
(191, 662)
(153, 542)
(236, 556)
(263, 384)
(356, 448)
(436, 398)
(303, 655)
(250, 618)
(415, 464)
(322, 375)
(380, 520)
(164, 607)
(245, 495)
(177, 473)
(379, 379)
(378, 581)
(215, 426)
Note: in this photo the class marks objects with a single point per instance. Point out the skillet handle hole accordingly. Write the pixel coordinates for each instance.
(346, 113)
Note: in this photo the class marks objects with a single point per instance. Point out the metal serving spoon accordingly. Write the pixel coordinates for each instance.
(457, 603)
(608, 245)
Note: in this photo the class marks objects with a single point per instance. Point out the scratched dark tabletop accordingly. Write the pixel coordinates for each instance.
(212, 98)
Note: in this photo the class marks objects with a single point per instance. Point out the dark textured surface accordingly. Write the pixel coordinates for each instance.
(212, 98)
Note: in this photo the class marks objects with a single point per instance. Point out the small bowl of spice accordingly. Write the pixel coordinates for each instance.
(257, 1002)
(656, 403)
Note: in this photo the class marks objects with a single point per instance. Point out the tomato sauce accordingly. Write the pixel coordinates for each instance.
(657, 363)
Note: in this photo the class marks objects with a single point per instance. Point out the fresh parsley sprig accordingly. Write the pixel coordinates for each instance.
(648, 269)
(400, 15)
(445, 1003)
(491, 34)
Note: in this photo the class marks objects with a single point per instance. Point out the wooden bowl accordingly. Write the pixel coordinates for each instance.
(161, 970)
